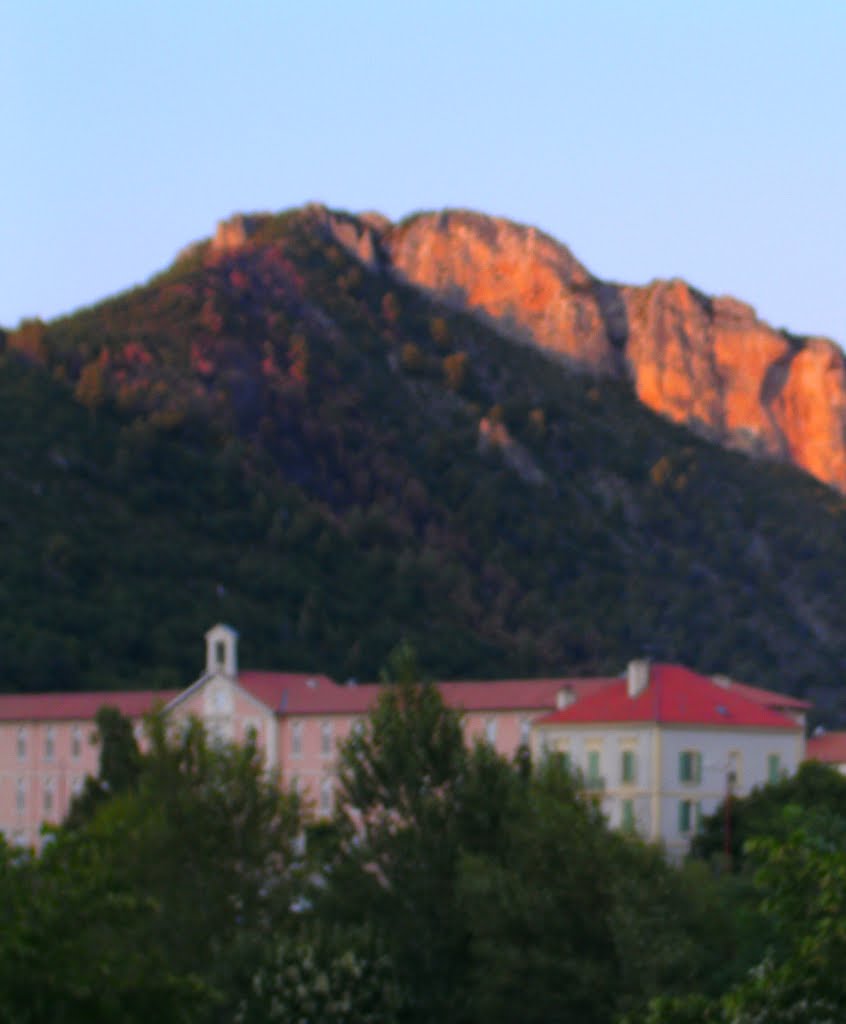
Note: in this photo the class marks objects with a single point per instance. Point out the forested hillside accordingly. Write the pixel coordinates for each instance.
(281, 435)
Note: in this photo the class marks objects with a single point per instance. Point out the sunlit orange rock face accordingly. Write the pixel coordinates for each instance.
(705, 362)
(517, 278)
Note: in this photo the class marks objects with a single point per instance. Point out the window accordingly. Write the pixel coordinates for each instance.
(690, 766)
(628, 767)
(48, 795)
(525, 729)
(326, 796)
(49, 743)
(490, 731)
(22, 738)
(594, 779)
(220, 653)
(76, 785)
(326, 739)
(773, 768)
(627, 816)
(20, 796)
(686, 816)
(297, 739)
(76, 742)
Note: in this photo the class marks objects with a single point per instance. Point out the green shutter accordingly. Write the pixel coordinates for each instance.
(628, 766)
(684, 816)
(690, 766)
(593, 765)
(774, 768)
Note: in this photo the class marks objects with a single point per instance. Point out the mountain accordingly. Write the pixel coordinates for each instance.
(706, 362)
(333, 432)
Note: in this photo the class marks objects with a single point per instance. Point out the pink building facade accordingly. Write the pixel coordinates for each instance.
(298, 720)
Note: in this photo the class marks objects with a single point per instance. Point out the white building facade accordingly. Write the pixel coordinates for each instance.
(663, 747)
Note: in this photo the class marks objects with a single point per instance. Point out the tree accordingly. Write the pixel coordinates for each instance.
(799, 980)
(339, 976)
(77, 941)
(455, 370)
(538, 910)
(161, 899)
(90, 389)
(817, 793)
(120, 765)
(412, 800)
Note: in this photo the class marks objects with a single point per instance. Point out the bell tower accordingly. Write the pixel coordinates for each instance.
(222, 651)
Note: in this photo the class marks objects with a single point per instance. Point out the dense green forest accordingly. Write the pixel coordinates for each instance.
(286, 439)
(451, 885)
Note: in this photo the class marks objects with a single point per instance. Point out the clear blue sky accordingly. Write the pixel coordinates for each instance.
(678, 138)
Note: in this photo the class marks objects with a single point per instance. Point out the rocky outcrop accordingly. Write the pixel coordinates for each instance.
(708, 363)
(235, 232)
(517, 278)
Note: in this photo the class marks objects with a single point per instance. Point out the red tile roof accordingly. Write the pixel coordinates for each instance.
(829, 747)
(515, 694)
(769, 698)
(303, 694)
(675, 695)
(35, 707)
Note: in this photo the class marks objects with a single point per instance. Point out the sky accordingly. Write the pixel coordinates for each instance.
(656, 139)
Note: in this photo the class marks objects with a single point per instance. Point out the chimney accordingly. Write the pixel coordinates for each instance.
(564, 698)
(637, 677)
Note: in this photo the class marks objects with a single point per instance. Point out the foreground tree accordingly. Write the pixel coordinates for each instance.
(323, 976)
(799, 980)
(155, 906)
(412, 800)
(817, 793)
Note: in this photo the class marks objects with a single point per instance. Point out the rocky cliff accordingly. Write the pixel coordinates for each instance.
(709, 363)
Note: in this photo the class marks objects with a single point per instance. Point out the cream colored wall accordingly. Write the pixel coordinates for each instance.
(716, 746)
(658, 791)
(609, 741)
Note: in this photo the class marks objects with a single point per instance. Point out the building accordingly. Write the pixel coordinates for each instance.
(625, 735)
(663, 746)
(828, 748)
